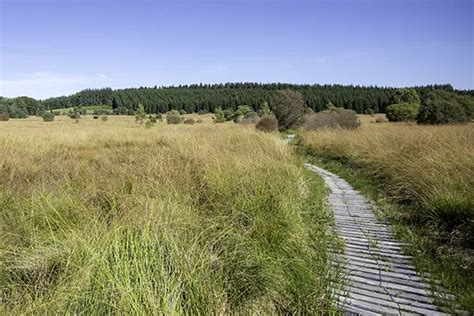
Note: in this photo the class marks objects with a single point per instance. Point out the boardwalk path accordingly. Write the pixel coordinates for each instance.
(380, 278)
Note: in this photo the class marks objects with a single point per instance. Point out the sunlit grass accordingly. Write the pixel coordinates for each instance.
(428, 172)
(110, 217)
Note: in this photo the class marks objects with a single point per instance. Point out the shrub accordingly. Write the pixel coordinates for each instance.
(268, 123)
(4, 117)
(335, 118)
(95, 117)
(182, 112)
(220, 116)
(229, 114)
(201, 112)
(152, 119)
(265, 110)
(173, 117)
(149, 124)
(189, 121)
(75, 115)
(249, 118)
(159, 117)
(199, 121)
(48, 116)
(402, 112)
(380, 119)
(289, 108)
(140, 115)
(442, 107)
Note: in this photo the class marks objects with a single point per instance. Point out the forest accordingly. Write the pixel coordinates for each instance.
(207, 97)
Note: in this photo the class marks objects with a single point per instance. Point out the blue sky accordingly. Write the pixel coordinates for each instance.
(52, 47)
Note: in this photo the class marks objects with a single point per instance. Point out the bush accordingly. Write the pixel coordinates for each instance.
(442, 107)
(182, 112)
(159, 117)
(173, 117)
(152, 119)
(380, 119)
(220, 116)
(95, 117)
(48, 116)
(189, 121)
(140, 115)
(229, 114)
(199, 121)
(149, 124)
(249, 118)
(289, 108)
(4, 117)
(75, 115)
(268, 123)
(402, 112)
(335, 118)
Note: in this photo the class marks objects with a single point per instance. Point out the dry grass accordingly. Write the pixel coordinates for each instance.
(432, 166)
(110, 217)
(429, 170)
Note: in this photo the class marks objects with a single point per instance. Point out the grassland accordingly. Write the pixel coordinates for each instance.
(110, 217)
(424, 179)
(89, 109)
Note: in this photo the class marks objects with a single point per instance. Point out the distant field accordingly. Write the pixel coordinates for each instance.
(112, 218)
(90, 109)
(429, 172)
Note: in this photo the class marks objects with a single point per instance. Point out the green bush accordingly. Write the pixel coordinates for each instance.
(443, 107)
(152, 119)
(268, 123)
(220, 116)
(149, 124)
(189, 121)
(48, 116)
(334, 118)
(402, 112)
(159, 117)
(4, 117)
(173, 117)
(75, 115)
(229, 114)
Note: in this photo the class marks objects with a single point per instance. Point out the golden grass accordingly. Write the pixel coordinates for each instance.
(429, 171)
(429, 165)
(110, 217)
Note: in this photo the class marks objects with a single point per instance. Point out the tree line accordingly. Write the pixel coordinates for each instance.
(208, 97)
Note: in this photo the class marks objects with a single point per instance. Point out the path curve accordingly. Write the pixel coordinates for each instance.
(380, 279)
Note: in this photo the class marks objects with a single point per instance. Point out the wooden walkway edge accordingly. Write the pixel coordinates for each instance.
(380, 279)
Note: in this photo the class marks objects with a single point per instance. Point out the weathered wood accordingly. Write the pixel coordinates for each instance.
(378, 277)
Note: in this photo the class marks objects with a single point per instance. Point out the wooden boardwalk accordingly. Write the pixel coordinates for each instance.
(380, 279)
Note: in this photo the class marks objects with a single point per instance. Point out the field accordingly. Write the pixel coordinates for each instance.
(426, 174)
(89, 109)
(110, 217)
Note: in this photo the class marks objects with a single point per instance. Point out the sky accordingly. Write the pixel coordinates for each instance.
(53, 47)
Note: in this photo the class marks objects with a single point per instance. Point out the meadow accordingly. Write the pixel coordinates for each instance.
(424, 176)
(111, 217)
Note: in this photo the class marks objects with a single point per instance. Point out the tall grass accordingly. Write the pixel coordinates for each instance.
(430, 166)
(114, 218)
(429, 172)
